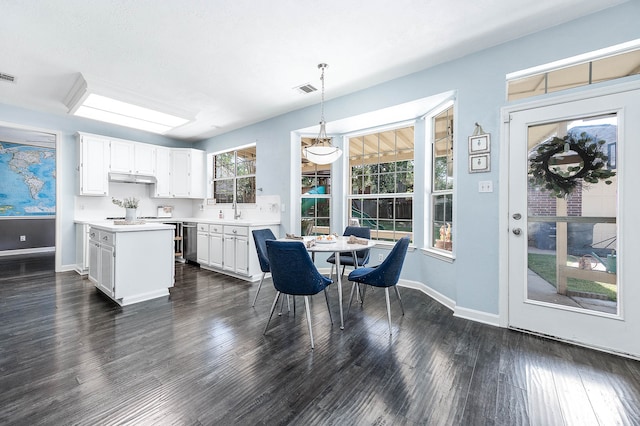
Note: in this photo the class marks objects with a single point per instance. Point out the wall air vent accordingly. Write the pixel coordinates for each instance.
(306, 88)
(7, 77)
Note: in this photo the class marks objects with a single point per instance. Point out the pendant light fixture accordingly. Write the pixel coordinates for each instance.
(321, 151)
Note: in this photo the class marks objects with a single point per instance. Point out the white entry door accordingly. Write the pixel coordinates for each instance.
(574, 221)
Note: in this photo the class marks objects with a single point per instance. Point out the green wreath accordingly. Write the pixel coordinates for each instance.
(561, 183)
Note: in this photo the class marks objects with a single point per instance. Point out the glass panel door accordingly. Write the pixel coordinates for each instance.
(572, 211)
(572, 220)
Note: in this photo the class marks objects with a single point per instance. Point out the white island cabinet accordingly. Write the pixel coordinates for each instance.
(131, 263)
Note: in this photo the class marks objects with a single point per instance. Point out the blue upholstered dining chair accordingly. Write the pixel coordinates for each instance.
(384, 275)
(362, 256)
(293, 273)
(260, 237)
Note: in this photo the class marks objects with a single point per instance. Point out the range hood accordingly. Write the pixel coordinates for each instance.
(132, 178)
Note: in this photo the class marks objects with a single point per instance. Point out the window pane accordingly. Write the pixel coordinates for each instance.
(443, 221)
(246, 190)
(617, 66)
(566, 78)
(387, 183)
(315, 216)
(526, 87)
(246, 161)
(224, 165)
(385, 208)
(223, 191)
(404, 208)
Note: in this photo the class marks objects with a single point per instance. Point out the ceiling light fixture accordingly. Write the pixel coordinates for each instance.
(84, 102)
(321, 151)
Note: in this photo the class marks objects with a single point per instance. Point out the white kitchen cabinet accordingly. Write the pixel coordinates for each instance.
(230, 249)
(187, 173)
(144, 156)
(163, 173)
(121, 153)
(216, 250)
(209, 245)
(132, 157)
(101, 260)
(94, 165)
(82, 248)
(236, 249)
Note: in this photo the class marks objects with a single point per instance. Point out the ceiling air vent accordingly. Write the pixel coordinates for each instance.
(7, 77)
(306, 88)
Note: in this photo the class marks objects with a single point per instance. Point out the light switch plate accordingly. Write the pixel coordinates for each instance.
(485, 186)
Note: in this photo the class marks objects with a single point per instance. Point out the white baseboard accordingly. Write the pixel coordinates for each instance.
(435, 295)
(477, 316)
(27, 251)
(470, 314)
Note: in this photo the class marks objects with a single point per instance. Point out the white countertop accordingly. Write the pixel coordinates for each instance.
(212, 221)
(109, 225)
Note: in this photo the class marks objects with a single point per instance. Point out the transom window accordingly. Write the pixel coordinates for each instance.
(608, 64)
(234, 176)
(381, 168)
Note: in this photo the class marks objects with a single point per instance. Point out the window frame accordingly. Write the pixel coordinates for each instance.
(347, 190)
(211, 158)
(428, 244)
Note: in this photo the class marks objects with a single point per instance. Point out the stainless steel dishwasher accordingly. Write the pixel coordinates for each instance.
(190, 241)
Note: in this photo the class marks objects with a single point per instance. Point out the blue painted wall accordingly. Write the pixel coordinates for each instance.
(479, 81)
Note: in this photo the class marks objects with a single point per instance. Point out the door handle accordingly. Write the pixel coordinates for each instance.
(517, 231)
(517, 216)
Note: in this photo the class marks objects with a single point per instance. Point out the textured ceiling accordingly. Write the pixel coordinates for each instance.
(232, 63)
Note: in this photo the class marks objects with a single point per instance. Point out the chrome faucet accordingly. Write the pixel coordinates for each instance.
(236, 213)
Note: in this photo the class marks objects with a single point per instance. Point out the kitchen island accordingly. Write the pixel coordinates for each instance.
(131, 263)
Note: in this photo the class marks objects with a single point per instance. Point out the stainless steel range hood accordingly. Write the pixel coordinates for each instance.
(131, 178)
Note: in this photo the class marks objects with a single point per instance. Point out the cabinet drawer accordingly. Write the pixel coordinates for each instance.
(94, 234)
(203, 227)
(107, 238)
(215, 229)
(237, 230)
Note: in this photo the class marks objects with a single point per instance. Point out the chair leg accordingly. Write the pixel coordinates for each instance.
(326, 297)
(353, 287)
(259, 285)
(273, 308)
(306, 305)
(386, 294)
(331, 273)
(395, 287)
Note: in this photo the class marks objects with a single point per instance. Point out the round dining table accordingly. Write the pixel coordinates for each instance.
(338, 245)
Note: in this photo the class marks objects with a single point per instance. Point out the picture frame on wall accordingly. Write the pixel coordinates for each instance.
(479, 144)
(480, 163)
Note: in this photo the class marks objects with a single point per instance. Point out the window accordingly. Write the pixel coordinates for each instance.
(381, 176)
(575, 72)
(442, 181)
(234, 176)
(315, 195)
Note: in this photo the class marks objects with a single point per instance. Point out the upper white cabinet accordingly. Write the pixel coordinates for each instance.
(121, 156)
(187, 173)
(179, 172)
(132, 157)
(144, 156)
(162, 187)
(94, 165)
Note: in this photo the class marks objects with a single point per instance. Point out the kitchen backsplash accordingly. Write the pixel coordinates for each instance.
(267, 207)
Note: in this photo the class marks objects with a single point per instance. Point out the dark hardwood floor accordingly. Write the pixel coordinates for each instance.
(69, 355)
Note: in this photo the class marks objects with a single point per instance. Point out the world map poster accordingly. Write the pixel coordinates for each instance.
(27, 179)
